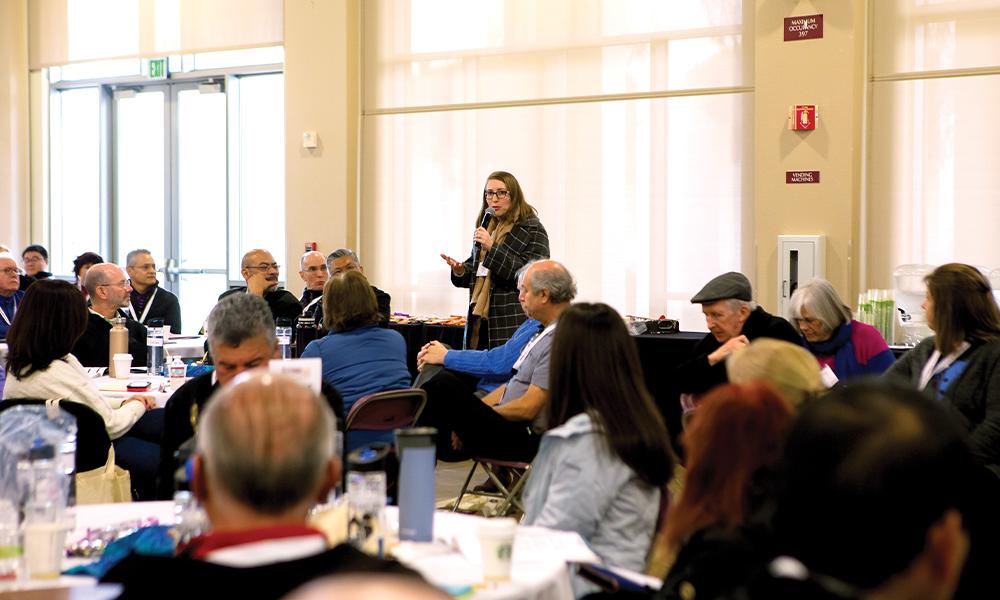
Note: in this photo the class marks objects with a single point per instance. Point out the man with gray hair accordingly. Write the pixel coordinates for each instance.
(148, 300)
(240, 337)
(265, 457)
(109, 294)
(342, 260)
(507, 423)
(734, 320)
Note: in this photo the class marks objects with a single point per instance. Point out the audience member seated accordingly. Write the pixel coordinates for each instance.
(109, 294)
(362, 587)
(359, 358)
(850, 348)
(343, 260)
(601, 465)
(788, 367)
(265, 458)
(36, 262)
(733, 320)
(874, 481)
(960, 365)
(82, 264)
(314, 273)
(718, 531)
(50, 319)
(10, 294)
(260, 271)
(506, 424)
(148, 300)
(493, 367)
(241, 337)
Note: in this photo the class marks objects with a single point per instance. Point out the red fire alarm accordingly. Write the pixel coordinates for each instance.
(310, 246)
(802, 117)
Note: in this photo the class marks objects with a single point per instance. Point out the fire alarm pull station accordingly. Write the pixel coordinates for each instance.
(802, 117)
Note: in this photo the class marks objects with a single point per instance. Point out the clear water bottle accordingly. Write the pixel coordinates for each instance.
(283, 331)
(10, 540)
(46, 499)
(190, 520)
(178, 371)
(154, 347)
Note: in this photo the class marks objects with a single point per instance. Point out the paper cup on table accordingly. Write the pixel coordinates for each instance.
(44, 548)
(123, 365)
(496, 540)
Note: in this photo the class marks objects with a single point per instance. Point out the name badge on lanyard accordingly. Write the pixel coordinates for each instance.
(3, 313)
(145, 311)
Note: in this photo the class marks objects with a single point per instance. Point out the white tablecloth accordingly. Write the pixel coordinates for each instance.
(110, 387)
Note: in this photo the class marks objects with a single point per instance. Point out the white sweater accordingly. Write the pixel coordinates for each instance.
(66, 378)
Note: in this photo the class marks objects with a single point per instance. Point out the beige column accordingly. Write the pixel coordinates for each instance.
(828, 72)
(321, 95)
(14, 119)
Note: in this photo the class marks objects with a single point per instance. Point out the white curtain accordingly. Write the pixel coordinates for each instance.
(68, 31)
(933, 188)
(627, 123)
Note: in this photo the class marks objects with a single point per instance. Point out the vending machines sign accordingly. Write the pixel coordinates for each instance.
(804, 27)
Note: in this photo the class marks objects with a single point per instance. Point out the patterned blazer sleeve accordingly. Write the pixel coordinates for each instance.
(524, 243)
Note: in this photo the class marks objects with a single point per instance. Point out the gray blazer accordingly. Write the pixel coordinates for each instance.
(577, 485)
(974, 397)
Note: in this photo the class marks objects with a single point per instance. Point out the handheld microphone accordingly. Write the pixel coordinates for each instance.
(487, 217)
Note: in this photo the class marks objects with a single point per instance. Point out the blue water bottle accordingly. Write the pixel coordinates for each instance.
(416, 450)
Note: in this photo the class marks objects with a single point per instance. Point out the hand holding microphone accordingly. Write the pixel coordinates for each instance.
(481, 238)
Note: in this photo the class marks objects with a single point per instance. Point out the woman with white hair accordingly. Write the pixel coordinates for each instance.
(850, 348)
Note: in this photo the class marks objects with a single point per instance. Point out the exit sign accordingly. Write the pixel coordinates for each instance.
(158, 68)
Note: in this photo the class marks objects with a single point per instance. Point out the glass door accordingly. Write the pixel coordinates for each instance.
(171, 188)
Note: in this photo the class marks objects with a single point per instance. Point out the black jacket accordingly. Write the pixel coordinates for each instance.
(696, 376)
(164, 305)
(94, 345)
(151, 577)
(281, 302)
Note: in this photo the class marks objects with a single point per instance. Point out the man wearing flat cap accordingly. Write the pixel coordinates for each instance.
(734, 320)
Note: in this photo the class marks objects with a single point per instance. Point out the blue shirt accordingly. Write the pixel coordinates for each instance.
(494, 366)
(359, 362)
(8, 305)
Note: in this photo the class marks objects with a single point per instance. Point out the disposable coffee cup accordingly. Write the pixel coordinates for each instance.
(44, 548)
(496, 541)
(123, 365)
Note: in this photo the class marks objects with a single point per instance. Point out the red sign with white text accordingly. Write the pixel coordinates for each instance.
(805, 27)
(801, 176)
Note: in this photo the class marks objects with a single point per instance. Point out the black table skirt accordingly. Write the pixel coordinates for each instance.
(418, 334)
(659, 355)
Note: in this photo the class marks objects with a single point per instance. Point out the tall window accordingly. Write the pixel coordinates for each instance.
(627, 124)
(164, 165)
(934, 145)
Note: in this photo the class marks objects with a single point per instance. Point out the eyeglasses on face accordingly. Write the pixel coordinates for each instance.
(501, 194)
(10, 271)
(120, 284)
(31, 259)
(264, 266)
(315, 269)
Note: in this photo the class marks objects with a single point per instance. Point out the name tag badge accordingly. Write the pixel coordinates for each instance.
(483, 271)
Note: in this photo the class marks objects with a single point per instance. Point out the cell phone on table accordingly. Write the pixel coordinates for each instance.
(138, 385)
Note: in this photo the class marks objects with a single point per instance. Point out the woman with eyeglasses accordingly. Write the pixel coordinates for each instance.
(511, 238)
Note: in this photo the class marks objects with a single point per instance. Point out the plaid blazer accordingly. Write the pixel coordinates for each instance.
(526, 242)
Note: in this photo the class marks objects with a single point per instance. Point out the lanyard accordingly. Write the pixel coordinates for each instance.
(145, 311)
(935, 364)
(531, 344)
(3, 313)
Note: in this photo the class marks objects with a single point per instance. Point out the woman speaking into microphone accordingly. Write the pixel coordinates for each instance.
(502, 244)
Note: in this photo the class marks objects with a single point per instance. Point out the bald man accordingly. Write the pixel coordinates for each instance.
(265, 458)
(261, 273)
(109, 291)
(314, 273)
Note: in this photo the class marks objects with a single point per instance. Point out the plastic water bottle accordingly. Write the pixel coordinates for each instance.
(283, 331)
(10, 540)
(177, 370)
(48, 485)
(154, 347)
(189, 518)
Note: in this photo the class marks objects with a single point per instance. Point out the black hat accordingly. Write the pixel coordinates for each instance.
(728, 285)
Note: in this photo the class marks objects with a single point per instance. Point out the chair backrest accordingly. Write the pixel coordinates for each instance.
(92, 441)
(385, 411)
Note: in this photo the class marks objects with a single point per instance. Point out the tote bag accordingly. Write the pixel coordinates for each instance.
(109, 483)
